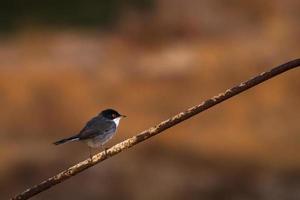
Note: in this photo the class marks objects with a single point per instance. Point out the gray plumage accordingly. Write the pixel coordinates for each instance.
(98, 130)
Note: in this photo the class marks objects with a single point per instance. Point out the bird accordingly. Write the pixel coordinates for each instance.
(97, 131)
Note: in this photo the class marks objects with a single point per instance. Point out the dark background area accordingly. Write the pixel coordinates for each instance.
(77, 13)
(62, 62)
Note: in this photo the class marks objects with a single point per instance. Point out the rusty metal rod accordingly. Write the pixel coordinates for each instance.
(180, 117)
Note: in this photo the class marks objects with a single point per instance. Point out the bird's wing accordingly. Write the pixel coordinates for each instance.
(87, 134)
(95, 128)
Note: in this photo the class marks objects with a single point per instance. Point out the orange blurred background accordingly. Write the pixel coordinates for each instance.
(61, 63)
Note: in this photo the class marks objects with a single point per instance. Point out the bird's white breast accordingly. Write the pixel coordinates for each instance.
(117, 121)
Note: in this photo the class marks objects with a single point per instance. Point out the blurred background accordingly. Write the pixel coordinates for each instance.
(62, 62)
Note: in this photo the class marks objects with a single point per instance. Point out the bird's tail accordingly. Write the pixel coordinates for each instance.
(70, 139)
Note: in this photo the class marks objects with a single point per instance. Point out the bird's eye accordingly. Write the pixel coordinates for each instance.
(113, 115)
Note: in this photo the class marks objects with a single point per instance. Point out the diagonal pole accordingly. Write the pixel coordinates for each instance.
(180, 117)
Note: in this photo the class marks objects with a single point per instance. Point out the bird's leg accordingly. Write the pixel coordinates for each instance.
(105, 149)
(90, 149)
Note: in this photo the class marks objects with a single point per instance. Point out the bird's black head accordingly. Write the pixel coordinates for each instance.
(111, 114)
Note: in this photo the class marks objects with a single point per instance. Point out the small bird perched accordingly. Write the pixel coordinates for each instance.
(98, 130)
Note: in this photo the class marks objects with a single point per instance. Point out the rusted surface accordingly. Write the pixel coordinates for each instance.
(156, 130)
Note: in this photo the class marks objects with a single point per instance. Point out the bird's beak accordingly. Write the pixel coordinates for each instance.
(123, 116)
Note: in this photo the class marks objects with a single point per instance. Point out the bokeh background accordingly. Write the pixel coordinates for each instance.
(61, 62)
